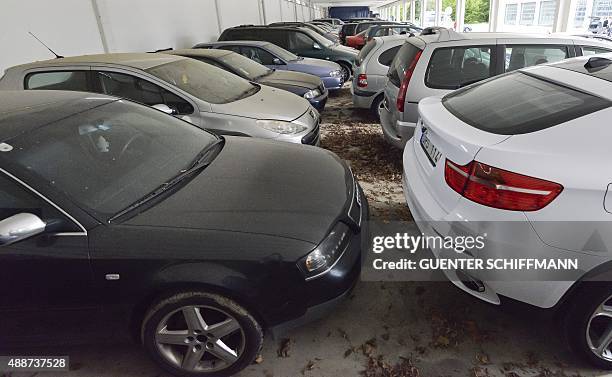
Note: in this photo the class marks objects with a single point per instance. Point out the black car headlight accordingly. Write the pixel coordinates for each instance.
(327, 253)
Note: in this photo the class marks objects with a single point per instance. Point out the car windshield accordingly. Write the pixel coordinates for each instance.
(319, 38)
(245, 66)
(204, 81)
(281, 53)
(109, 157)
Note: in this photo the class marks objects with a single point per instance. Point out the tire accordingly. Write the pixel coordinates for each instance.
(346, 71)
(167, 337)
(582, 330)
(376, 106)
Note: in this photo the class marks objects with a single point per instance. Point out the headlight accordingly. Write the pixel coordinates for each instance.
(337, 73)
(327, 253)
(312, 94)
(281, 127)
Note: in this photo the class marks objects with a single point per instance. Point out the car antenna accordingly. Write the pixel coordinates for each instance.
(48, 48)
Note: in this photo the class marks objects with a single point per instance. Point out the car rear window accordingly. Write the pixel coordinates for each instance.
(400, 63)
(519, 103)
(364, 52)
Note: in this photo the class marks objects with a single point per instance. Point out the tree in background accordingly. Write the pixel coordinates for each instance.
(476, 11)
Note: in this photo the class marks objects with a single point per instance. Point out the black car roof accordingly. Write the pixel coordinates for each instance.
(26, 110)
(599, 65)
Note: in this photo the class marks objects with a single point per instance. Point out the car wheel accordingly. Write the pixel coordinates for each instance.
(377, 106)
(346, 71)
(201, 334)
(588, 325)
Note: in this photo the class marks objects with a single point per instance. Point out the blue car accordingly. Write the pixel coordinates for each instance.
(276, 57)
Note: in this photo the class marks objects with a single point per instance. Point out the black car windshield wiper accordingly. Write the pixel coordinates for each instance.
(202, 160)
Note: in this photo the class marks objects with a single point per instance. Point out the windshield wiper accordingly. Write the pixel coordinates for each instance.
(201, 161)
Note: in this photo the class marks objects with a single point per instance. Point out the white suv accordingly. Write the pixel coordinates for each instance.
(441, 60)
(524, 158)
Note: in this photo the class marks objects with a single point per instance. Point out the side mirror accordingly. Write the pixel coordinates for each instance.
(20, 227)
(165, 108)
(316, 46)
(277, 61)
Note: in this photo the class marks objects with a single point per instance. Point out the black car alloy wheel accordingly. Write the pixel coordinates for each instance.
(201, 334)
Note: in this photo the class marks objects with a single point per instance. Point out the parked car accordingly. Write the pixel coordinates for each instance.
(324, 33)
(356, 41)
(346, 30)
(387, 30)
(331, 21)
(596, 26)
(207, 96)
(192, 242)
(371, 67)
(304, 85)
(300, 41)
(526, 153)
(327, 27)
(440, 60)
(365, 25)
(275, 57)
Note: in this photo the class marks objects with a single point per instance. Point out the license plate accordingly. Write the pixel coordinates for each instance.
(432, 153)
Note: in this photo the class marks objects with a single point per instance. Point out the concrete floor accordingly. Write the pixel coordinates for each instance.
(398, 329)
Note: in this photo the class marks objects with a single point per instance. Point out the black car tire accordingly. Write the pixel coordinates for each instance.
(576, 321)
(253, 333)
(347, 72)
(376, 104)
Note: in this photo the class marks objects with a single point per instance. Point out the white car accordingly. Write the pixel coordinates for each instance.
(526, 159)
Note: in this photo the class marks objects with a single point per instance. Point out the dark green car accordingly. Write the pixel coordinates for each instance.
(301, 41)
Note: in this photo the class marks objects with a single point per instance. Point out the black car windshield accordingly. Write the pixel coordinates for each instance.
(281, 53)
(246, 67)
(204, 81)
(109, 157)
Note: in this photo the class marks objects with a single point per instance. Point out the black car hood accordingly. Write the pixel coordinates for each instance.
(259, 186)
(292, 81)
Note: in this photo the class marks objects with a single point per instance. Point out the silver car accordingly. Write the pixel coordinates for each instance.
(200, 93)
(371, 67)
(440, 60)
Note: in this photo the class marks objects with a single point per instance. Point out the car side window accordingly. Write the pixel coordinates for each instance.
(15, 199)
(454, 67)
(257, 54)
(387, 57)
(518, 57)
(58, 80)
(300, 41)
(276, 36)
(589, 50)
(140, 90)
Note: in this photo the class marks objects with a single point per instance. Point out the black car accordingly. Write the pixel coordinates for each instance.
(196, 243)
(303, 84)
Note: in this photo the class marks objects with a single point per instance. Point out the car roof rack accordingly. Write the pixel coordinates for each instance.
(445, 33)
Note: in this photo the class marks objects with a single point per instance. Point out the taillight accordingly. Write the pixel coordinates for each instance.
(401, 96)
(498, 188)
(362, 80)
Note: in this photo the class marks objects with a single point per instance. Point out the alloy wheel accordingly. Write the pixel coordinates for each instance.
(599, 330)
(346, 73)
(200, 339)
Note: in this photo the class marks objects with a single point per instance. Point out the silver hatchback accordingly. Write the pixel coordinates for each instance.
(371, 67)
(200, 93)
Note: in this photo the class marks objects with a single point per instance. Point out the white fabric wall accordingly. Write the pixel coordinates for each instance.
(72, 27)
(54, 22)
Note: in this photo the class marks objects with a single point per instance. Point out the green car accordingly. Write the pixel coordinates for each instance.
(301, 41)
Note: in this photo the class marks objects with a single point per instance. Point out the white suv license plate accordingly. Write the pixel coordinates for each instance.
(433, 154)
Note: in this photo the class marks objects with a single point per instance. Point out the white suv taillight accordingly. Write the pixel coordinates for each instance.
(498, 188)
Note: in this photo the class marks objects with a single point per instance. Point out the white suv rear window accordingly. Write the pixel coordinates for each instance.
(518, 103)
